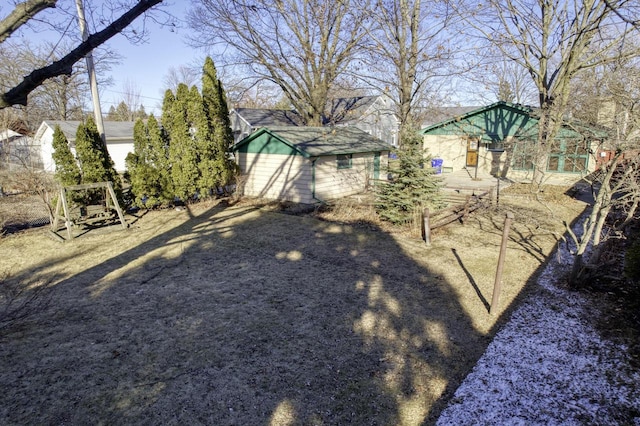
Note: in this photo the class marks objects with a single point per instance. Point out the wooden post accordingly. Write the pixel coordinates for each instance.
(67, 218)
(116, 205)
(503, 251)
(426, 227)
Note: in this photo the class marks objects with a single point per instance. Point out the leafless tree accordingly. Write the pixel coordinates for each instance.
(503, 80)
(410, 47)
(26, 12)
(609, 95)
(302, 47)
(189, 75)
(131, 97)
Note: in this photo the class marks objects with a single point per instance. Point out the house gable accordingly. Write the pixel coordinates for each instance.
(492, 123)
(265, 141)
(501, 120)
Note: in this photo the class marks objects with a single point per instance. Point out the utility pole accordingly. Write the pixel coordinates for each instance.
(93, 82)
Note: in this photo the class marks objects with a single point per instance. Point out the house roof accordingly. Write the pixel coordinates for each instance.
(257, 117)
(346, 109)
(114, 130)
(516, 108)
(321, 141)
(439, 114)
(9, 134)
(509, 118)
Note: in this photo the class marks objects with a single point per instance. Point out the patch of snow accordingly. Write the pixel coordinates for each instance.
(548, 366)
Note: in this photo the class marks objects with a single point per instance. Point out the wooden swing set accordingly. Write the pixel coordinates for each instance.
(85, 214)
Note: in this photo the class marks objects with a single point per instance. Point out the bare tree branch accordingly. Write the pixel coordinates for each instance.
(18, 95)
(21, 15)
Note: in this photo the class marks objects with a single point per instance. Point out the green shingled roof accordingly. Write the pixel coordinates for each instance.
(318, 141)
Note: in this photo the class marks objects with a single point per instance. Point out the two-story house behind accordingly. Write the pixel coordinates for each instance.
(245, 121)
(373, 114)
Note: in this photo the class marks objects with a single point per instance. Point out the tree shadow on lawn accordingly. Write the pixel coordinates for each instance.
(241, 316)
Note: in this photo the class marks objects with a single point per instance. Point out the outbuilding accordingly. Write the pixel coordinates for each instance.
(309, 164)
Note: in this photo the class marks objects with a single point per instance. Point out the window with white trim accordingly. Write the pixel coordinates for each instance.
(344, 161)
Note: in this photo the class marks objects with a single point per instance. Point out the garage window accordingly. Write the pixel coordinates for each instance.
(344, 161)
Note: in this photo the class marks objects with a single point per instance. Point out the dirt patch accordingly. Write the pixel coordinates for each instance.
(238, 314)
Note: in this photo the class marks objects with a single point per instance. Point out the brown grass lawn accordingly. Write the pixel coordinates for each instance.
(242, 315)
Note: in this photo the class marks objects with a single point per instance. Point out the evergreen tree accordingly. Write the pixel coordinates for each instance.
(158, 157)
(183, 154)
(112, 114)
(167, 109)
(67, 170)
(414, 186)
(217, 167)
(141, 113)
(202, 137)
(143, 176)
(123, 112)
(95, 162)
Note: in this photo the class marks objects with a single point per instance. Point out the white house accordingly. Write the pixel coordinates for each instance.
(18, 150)
(119, 136)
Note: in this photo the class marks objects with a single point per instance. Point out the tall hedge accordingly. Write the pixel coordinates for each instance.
(220, 169)
(183, 154)
(67, 169)
(95, 161)
(141, 174)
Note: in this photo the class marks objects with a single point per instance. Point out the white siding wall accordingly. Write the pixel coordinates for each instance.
(46, 150)
(272, 176)
(332, 182)
(118, 151)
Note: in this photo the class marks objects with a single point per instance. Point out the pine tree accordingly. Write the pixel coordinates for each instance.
(202, 137)
(167, 109)
(182, 150)
(220, 169)
(67, 170)
(123, 112)
(95, 162)
(414, 186)
(112, 115)
(158, 157)
(143, 176)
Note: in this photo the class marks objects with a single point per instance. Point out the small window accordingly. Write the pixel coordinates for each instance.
(344, 161)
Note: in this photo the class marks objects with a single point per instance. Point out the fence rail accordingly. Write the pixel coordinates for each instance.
(461, 209)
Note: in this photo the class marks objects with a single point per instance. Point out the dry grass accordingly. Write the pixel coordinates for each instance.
(239, 314)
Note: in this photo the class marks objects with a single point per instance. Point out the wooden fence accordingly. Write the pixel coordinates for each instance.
(461, 205)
